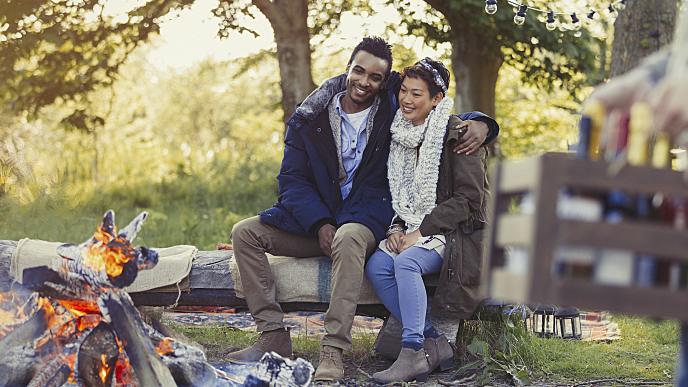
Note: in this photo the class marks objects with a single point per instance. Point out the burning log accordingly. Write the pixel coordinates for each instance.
(29, 331)
(108, 259)
(143, 356)
(97, 356)
(56, 372)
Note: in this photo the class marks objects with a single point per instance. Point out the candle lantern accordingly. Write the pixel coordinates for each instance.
(568, 323)
(543, 321)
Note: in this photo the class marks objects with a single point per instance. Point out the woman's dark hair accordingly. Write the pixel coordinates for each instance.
(377, 47)
(418, 72)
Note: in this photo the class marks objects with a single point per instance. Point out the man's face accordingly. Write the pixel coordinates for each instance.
(365, 77)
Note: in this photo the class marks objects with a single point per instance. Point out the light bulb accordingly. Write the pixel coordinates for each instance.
(612, 11)
(621, 5)
(520, 17)
(491, 6)
(591, 14)
(575, 22)
(551, 23)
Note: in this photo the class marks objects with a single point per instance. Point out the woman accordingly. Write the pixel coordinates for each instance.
(440, 203)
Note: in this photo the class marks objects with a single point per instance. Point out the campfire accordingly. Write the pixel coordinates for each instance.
(72, 325)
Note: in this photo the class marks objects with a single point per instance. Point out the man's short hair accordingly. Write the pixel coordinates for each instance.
(377, 47)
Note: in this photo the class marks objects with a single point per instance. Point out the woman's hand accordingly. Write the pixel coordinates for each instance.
(407, 241)
(394, 241)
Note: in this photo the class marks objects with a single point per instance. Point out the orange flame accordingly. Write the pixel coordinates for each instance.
(99, 256)
(80, 308)
(11, 313)
(164, 347)
(104, 368)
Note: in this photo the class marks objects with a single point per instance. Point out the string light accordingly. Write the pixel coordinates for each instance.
(551, 24)
(551, 20)
(520, 17)
(575, 23)
(491, 6)
(612, 11)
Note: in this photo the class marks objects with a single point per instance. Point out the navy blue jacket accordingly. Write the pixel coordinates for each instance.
(309, 192)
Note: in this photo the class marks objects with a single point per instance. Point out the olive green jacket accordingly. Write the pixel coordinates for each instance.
(463, 197)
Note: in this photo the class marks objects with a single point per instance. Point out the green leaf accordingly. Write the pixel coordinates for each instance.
(478, 347)
(466, 367)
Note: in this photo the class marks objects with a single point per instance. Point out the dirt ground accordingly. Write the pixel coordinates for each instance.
(357, 374)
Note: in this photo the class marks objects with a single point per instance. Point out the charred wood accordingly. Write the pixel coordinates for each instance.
(19, 366)
(121, 313)
(6, 250)
(57, 379)
(52, 373)
(193, 373)
(25, 333)
(50, 283)
(97, 356)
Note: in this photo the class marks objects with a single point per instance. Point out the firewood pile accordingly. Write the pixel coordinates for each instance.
(72, 325)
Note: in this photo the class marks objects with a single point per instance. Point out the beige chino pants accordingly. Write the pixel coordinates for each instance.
(352, 244)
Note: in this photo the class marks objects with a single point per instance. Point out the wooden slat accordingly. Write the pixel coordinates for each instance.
(515, 230)
(653, 302)
(519, 176)
(508, 287)
(642, 238)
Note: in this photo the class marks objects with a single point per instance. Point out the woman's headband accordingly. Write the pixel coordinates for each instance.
(438, 79)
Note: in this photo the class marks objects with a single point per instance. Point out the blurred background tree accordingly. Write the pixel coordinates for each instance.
(199, 147)
(481, 43)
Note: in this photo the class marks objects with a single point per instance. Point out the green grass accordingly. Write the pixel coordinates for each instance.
(647, 351)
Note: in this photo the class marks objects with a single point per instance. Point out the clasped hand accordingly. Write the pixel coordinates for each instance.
(398, 242)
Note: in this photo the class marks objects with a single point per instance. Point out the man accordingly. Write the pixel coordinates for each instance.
(334, 200)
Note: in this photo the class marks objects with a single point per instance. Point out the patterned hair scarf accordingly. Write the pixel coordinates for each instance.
(438, 78)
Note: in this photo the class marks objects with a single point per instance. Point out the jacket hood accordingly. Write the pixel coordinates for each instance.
(317, 101)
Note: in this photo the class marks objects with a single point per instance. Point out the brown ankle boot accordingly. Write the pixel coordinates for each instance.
(409, 365)
(278, 341)
(441, 353)
(330, 365)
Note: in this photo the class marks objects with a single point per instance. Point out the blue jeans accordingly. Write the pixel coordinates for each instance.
(400, 279)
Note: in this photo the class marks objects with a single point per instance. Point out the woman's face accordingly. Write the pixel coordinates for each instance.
(415, 100)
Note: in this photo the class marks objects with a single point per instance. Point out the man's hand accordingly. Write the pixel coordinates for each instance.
(408, 240)
(476, 133)
(326, 236)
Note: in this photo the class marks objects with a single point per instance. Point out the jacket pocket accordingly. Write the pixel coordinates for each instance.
(472, 249)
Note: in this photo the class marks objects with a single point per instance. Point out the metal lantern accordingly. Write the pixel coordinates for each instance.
(568, 323)
(543, 321)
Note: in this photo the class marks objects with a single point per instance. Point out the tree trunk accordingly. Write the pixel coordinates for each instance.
(475, 73)
(475, 70)
(289, 21)
(641, 29)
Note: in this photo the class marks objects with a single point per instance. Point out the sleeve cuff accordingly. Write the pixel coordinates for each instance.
(316, 226)
(493, 128)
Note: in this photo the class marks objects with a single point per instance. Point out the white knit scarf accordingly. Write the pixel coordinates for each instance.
(413, 182)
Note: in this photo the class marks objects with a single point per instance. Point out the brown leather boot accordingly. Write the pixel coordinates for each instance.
(409, 365)
(330, 365)
(440, 352)
(278, 341)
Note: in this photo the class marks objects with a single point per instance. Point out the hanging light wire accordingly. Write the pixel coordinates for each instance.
(516, 4)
